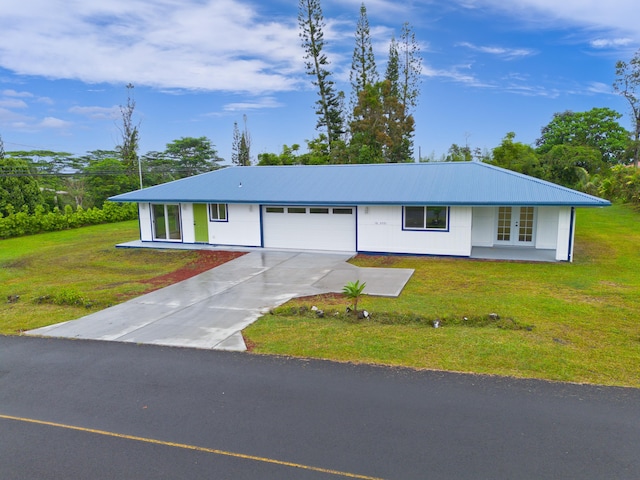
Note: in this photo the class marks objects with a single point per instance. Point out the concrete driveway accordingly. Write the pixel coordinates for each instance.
(211, 309)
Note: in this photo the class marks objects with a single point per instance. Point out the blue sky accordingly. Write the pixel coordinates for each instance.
(489, 67)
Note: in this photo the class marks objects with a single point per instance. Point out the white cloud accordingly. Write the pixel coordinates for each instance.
(267, 102)
(619, 16)
(12, 103)
(210, 45)
(611, 42)
(45, 100)
(10, 118)
(532, 91)
(97, 113)
(55, 123)
(13, 93)
(455, 74)
(599, 88)
(506, 53)
(24, 123)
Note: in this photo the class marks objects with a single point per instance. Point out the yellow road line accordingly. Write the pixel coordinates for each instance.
(189, 447)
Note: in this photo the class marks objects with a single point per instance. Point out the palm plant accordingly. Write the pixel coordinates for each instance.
(353, 290)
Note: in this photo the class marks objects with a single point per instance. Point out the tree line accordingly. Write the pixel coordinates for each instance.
(57, 179)
(586, 151)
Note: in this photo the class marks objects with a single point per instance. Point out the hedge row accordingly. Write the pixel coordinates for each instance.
(23, 223)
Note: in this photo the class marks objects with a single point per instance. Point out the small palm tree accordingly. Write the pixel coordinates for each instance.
(353, 290)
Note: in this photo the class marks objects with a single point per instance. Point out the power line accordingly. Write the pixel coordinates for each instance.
(103, 173)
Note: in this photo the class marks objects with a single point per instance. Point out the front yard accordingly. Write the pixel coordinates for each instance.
(579, 321)
(569, 322)
(58, 276)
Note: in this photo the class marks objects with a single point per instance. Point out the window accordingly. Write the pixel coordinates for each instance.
(275, 209)
(296, 210)
(342, 211)
(426, 218)
(166, 222)
(526, 224)
(218, 212)
(504, 224)
(414, 217)
(318, 210)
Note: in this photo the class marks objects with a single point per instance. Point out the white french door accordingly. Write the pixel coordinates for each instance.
(516, 226)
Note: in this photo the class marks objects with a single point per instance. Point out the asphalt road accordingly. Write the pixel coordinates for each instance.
(104, 410)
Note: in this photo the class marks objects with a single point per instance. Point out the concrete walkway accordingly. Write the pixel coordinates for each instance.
(211, 309)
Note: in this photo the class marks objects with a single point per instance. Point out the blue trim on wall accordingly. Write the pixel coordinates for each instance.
(261, 227)
(226, 212)
(438, 230)
(571, 222)
(407, 254)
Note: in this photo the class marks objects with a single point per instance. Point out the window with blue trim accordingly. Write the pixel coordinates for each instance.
(218, 212)
(426, 218)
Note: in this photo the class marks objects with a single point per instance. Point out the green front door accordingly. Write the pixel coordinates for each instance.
(201, 223)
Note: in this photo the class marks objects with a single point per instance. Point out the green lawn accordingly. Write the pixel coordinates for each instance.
(584, 315)
(64, 275)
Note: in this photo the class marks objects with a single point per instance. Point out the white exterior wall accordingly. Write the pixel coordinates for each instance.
(547, 227)
(483, 228)
(380, 230)
(551, 231)
(565, 234)
(144, 218)
(241, 229)
(186, 218)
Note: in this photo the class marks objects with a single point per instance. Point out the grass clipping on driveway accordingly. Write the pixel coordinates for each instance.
(568, 322)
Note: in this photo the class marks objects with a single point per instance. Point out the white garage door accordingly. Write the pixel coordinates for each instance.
(309, 228)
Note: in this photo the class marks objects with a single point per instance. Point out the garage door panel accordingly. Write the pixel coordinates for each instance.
(296, 227)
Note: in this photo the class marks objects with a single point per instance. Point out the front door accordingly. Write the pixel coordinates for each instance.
(516, 226)
(201, 223)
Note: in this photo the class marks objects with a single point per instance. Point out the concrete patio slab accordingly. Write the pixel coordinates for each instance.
(211, 309)
(382, 282)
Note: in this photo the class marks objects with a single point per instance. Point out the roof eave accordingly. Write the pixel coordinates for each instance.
(602, 203)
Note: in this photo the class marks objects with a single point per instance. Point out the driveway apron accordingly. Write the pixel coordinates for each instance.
(211, 309)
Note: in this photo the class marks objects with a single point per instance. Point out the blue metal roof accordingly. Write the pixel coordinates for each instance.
(442, 183)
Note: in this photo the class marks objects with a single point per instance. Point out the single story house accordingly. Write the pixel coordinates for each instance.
(466, 209)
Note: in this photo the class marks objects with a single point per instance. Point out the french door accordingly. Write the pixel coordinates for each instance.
(516, 226)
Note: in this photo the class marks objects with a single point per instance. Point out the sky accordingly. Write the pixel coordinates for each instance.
(489, 67)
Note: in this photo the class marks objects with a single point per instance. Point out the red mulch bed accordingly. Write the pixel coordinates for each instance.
(206, 260)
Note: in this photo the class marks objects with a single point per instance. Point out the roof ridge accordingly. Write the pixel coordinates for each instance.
(355, 165)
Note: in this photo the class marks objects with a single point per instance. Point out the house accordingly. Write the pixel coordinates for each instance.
(466, 209)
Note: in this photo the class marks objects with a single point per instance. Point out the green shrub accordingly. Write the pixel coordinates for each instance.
(623, 185)
(17, 224)
(65, 296)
